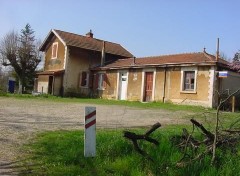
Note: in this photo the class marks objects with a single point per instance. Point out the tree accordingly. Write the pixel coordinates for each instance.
(235, 64)
(21, 53)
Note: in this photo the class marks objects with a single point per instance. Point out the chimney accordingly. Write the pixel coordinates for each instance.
(103, 54)
(204, 50)
(217, 52)
(134, 60)
(89, 34)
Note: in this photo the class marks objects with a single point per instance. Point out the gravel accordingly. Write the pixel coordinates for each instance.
(21, 119)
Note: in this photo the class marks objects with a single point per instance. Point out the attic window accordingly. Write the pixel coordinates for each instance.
(54, 50)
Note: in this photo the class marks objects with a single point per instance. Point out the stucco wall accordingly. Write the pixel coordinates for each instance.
(200, 97)
(43, 83)
(159, 84)
(110, 91)
(57, 85)
(79, 60)
(57, 63)
(134, 84)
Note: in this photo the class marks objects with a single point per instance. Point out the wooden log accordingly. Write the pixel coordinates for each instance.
(206, 132)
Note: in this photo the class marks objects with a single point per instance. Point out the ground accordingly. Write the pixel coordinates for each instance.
(21, 119)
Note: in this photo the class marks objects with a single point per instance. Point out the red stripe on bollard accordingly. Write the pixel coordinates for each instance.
(90, 124)
(90, 115)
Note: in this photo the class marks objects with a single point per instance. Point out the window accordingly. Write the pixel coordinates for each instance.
(84, 79)
(54, 50)
(189, 81)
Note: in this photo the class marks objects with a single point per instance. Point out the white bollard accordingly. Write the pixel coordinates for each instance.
(90, 132)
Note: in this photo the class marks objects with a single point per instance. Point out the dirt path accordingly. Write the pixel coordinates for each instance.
(20, 119)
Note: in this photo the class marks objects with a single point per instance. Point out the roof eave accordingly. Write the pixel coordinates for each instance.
(47, 39)
(155, 65)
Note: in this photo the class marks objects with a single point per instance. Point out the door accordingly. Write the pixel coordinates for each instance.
(123, 86)
(148, 86)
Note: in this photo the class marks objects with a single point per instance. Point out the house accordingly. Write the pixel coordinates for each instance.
(86, 66)
(68, 59)
(189, 78)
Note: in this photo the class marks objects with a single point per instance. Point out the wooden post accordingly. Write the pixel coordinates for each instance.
(233, 103)
(90, 132)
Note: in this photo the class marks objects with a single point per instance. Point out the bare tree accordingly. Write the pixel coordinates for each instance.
(21, 53)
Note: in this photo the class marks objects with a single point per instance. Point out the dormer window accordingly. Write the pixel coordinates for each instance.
(54, 50)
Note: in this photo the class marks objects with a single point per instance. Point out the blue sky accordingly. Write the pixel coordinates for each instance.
(145, 28)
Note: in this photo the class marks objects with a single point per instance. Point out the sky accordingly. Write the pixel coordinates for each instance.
(145, 28)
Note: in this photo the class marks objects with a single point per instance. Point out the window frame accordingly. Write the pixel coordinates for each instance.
(183, 80)
(56, 52)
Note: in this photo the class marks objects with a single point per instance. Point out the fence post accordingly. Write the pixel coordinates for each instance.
(90, 132)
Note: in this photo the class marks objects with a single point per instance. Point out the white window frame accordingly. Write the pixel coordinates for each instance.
(87, 80)
(54, 44)
(187, 69)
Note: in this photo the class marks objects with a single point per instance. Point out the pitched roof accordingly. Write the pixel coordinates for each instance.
(200, 58)
(84, 42)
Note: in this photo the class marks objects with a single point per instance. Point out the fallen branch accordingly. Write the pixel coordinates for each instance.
(135, 137)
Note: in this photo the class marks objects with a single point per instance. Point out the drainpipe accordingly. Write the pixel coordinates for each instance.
(164, 83)
(103, 54)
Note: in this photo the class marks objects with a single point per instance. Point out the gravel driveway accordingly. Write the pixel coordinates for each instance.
(20, 119)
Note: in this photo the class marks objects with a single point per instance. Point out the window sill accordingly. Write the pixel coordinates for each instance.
(188, 92)
(54, 58)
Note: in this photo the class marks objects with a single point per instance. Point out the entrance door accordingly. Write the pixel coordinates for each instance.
(50, 84)
(123, 86)
(148, 86)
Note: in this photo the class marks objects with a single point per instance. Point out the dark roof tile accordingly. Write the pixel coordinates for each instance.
(92, 44)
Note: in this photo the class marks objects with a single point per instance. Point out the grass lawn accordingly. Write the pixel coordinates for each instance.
(156, 105)
(62, 153)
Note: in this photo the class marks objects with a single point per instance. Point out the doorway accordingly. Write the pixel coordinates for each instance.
(50, 85)
(122, 86)
(148, 86)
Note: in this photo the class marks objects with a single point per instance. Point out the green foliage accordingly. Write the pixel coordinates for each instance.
(61, 153)
(22, 54)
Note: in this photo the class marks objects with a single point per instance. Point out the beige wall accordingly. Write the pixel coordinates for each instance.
(200, 97)
(57, 85)
(58, 63)
(134, 84)
(43, 83)
(172, 86)
(79, 60)
(110, 91)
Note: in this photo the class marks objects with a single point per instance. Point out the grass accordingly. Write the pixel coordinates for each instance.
(137, 104)
(61, 153)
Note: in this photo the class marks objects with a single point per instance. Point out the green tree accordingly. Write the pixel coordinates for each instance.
(21, 52)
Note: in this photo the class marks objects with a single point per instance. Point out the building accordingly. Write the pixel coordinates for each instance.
(85, 66)
(68, 59)
(190, 78)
